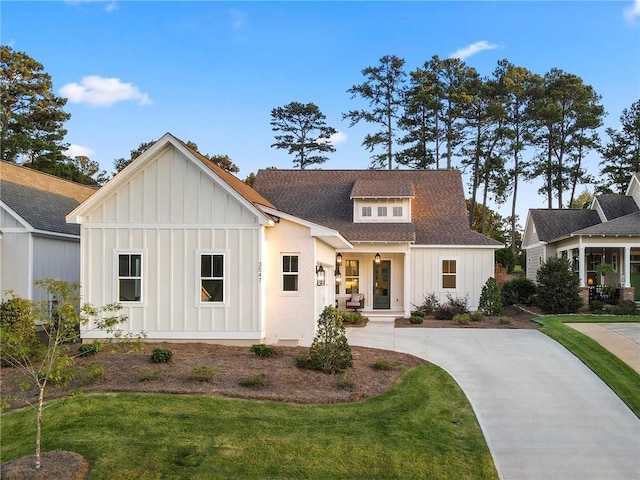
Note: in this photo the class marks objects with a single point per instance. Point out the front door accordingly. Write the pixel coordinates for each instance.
(381, 280)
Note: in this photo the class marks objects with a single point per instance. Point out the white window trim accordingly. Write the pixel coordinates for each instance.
(442, 273)
(367, 208)
(143, 274)
(283, 273)
(225, 277)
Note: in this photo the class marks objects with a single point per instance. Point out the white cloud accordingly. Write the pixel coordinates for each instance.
(100, 91)
(78, 151)
(110, 7)
(339, 137)
(472, 49)
(632, 12)
(238, 18)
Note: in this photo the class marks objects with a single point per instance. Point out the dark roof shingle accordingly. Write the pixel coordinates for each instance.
(614, 206)
(552, 224)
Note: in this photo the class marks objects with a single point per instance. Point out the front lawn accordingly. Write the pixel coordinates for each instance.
(423, 427)
(620, 377)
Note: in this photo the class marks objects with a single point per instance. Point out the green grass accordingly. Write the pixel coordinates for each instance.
(620, 377)
(423, 427)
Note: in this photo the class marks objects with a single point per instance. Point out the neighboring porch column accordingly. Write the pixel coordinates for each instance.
(582, 265)
(407, 283)
(627, 267)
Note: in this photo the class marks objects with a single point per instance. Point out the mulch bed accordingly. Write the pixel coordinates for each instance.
(518, 318)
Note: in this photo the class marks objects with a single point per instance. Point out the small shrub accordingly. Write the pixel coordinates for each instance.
(353, 318)
(346, 382)
(453, 306)
(161, 355)
(330, 351)
(625, 307)
(89, 349)
(263, 351)
(4, 405)
(256, 381)
(416, 319)
(303, 361)
(596, 306)
(203, 374)
(384, 364)
(18, 337)
(462, 318)
(148, 375)
(429, 304)
(518, 291)
(491, 298)
(504, 320)
(476, 316)
(92, 373)
(418, 313)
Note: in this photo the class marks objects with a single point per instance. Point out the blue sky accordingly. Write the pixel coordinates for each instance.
(211, 72)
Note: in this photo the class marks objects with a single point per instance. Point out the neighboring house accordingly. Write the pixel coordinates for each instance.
(193, 253)
(35, 240)
(607, 232)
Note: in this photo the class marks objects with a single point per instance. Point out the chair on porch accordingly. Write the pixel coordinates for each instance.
(356, 301)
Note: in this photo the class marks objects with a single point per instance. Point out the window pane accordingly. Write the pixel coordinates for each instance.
(123, 265)
(129, 290)
(136, 266)
(294, 263)
(290, 283)
(382, 211)
(448, 281)
(352, 285)
(397, 211)
(366, 211)
(212, 291)
(205, 266)
(352, 267)
(218, 266)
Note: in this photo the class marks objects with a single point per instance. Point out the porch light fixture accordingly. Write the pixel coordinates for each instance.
(320, 277)
(339, 259)
(377, 258)
(338, 276)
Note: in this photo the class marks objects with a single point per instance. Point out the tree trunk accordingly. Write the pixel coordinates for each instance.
(39, 424)
(516, 173)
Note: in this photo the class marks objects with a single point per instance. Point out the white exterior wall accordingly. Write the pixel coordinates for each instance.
(291, 316)
(15, 261)
(474, 267)
(55, 258)
(170, 211)
(536, 256)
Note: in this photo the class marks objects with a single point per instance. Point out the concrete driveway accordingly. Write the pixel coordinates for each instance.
(544, 414)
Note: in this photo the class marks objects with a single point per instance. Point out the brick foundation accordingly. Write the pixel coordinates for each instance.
(628, 293)
(584, 295)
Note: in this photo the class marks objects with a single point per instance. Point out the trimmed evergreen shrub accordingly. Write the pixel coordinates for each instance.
(88, 349)
(416, 319)
(161, 355)
(625, 307)
(353, 318)
(476, 316)
(263, 351)
(518, 290)
(491, 298)
(330, 351)
(18, 336)
(203, 374)
(596, 306)
(462, 318)
(558, 290)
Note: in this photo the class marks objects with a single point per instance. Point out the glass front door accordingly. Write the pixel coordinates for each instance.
(381, 283)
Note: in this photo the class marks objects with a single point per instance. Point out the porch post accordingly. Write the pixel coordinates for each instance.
(582, 260)
(627, 267)
(407, 283)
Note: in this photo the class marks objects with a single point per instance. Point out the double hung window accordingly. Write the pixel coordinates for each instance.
(129, 277)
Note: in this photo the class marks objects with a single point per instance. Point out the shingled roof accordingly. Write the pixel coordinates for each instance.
(614, 206)
(42, 200)
(325, 197)
(553, 224)
(625, 225)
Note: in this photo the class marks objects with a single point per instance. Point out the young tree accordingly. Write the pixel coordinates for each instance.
(303, 132)
(51, 362)
(621, 154)
(384, 89)
(32, 117)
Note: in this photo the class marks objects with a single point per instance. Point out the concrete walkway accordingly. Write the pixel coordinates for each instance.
(544, 414)
(621, 338)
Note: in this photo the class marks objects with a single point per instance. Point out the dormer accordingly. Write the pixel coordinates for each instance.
(380, 201)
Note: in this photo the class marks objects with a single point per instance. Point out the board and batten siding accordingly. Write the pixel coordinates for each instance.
(171, 211)
(474, 267)
(55, 258)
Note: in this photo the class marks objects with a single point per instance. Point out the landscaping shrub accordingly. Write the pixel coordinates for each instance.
(17, 331)
(89, 349)
(330, 351)
(625, 307)
(504, 320)
(92, 373)
(263, 351)
(416, 319)
(161, 355)
(596, 306)
(418, 313)
(462, 318)
(476, 316)
(453, 306)
(148, 375)
(346, 382)
(203, 374)
(353, 318)
(558, 290)
(491, 298)
(518, 291)
(384, 364)
(256, 381)
(429, 304)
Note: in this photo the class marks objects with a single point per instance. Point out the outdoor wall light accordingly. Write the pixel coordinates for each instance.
(377, 258)
(320, 277)
(339, 259)
(338, 276)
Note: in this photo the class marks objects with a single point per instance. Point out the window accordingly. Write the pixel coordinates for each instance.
(352, 276)
(366, 211)
(129, 277)
(614, 261)
(290, 273)
(382, 211)
(211, 277)
(397, 211)
(448, 273)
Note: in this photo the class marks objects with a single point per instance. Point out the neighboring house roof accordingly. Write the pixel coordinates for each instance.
(553, 224)
(625, 225)
(40, 199)
(325, 197)
(614, 206)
